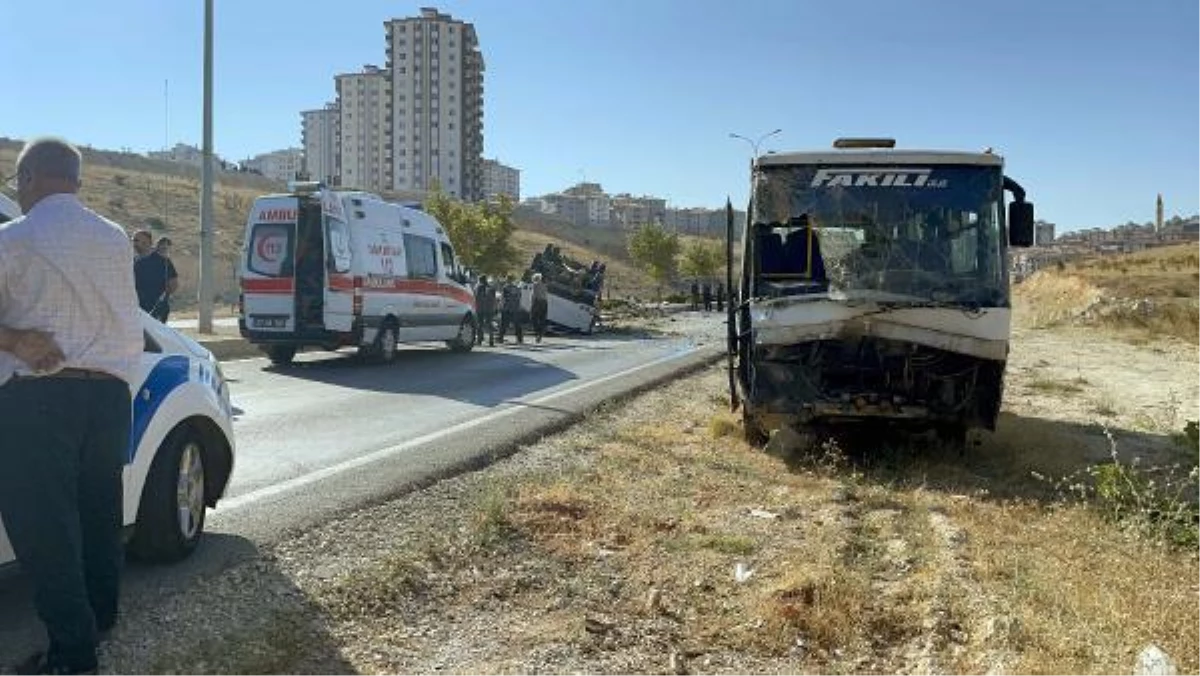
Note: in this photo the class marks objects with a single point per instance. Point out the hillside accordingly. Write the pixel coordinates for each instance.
(1143, 295)
(164, 197)
(139, 192)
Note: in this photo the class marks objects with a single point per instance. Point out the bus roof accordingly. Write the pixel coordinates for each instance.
(880, 156)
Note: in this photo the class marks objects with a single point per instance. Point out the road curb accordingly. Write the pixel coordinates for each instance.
(232, 347)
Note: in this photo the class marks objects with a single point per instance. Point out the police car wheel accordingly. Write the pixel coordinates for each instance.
(465, 340)
(171, 515)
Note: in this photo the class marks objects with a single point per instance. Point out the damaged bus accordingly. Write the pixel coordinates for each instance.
(874, 286)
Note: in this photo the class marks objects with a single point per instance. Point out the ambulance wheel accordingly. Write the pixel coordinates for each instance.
(281, 355)
(385, 343)
(171, 514)
(465, 340)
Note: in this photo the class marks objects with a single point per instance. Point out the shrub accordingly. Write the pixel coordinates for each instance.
(1156, 502)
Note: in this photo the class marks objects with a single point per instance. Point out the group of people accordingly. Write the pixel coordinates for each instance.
(70, 340)
(507, 299)
(154, 274)
(706, 294)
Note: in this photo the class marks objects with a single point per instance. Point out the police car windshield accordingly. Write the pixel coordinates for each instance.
(931, 232)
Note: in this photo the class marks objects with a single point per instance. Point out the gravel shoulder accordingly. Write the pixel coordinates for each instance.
(651, 539)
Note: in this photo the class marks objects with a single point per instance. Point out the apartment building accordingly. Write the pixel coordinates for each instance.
(362, 100)
(631, 212)
(435, 126)
(318, 137)
(279, 165)
(499, 179)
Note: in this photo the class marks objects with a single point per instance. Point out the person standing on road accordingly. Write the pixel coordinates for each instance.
(155, 277)
(66, 271)
(706, 292)
(485, 309)
(539, 307)
(720, 296)
(510, 309)
(695, 295)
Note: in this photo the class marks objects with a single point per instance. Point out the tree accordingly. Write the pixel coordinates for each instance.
(702, 259)
(655, 250)
(481, 233)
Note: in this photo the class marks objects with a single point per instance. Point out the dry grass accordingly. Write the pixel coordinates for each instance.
(1141, 296)
(895, 559)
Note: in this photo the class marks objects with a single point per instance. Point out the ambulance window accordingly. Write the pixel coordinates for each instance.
(420, 255)
(338, 245)
(448, 259)
(270, 250)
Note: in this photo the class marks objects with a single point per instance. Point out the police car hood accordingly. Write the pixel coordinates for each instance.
(173, 341)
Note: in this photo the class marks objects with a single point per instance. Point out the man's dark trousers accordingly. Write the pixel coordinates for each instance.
(511, 318)
(63, 442)
(486, 326)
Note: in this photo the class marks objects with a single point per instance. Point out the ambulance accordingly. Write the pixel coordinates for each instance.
(180, 453)
(336, 268)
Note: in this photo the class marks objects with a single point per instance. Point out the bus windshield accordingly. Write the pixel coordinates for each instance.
(929, 232)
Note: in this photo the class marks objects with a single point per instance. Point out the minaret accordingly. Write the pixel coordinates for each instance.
(1158, 216)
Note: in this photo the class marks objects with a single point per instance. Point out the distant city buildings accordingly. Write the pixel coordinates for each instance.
(183, 154)
(415, 123)
(280, 165)
(499, 179)
(1043, 233)
(587, 205)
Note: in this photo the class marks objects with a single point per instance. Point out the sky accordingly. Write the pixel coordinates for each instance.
(1095, 105)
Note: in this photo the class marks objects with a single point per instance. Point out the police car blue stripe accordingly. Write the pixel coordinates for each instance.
(168, 374)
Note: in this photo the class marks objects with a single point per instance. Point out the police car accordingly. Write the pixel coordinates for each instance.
(180, 452)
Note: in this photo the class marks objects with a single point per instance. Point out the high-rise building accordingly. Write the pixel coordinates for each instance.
(499, 179)
(436, 105)
(318, 136)
(363, 140)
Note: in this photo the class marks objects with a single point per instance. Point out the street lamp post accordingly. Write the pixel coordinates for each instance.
(755, 143)
(206, 184)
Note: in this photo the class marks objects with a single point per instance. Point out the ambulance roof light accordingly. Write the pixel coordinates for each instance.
(305, 187)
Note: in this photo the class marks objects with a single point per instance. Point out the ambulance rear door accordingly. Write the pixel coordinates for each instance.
(268, 278)
(339, 275)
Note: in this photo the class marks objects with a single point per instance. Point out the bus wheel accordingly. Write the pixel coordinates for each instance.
(752, 431)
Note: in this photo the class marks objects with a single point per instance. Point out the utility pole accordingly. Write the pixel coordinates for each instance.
(206, 183)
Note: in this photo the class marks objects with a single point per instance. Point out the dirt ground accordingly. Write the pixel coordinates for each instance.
(651, 539)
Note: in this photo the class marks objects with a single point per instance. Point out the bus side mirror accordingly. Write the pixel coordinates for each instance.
(1020, 224)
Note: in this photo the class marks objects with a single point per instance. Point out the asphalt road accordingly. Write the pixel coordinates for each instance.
(331, 434)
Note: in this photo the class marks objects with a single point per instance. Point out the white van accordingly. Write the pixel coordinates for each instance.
(332, 268)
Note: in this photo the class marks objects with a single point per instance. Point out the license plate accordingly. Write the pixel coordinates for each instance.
(268, 322)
